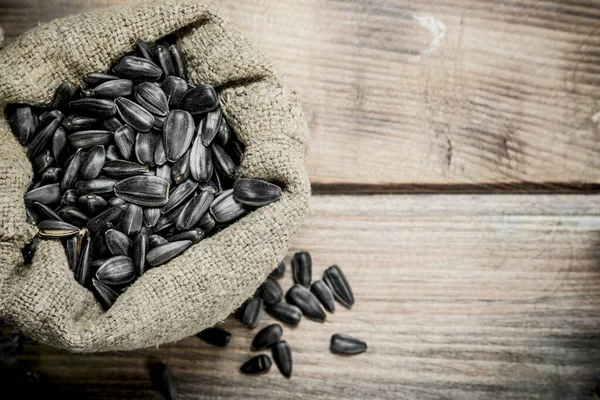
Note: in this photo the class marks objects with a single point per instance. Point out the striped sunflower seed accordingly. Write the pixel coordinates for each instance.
(92, 162)
(181, 193)
(105, 294)
(201, 166)
(193, 235)
(147, 191)
(124, 169)
(131, 222)
(112, 153)
(69, 197)
(199, 100)
(93, 204)
(211, 126)
(115, 201)
(160, 156)
(97, 186)
(152, 215)
(174, 88)
(137, 69)
(72, 171)
(156, 240)
(59, 146)
(195, 208)
(225, 208)
(51, 175)
(145, 147)
(178, 61)
(74, 122)
(48, 116)
(337, 282)
(125, 139)
(178, 133)
(284, 312)
(101, 108)
(96, 78)
(302, 268)
(88, 139)
(271, 291)
(345, 344)
(278, 272)
(256, 192)
(145, 50)
(180, 170)
(118, 243)
(152, 98)
(302, 298)
(83, 272)
(257, 365)
(112, 124)
(224, 135)
(223, 163)
(267, 337)
(63, 94)
(42, 138)
(164, 60)
(23, 122)
(163, 254)
(51, 228)
(164, 171)
(116, 271)
(110, 215)
(323, 293)
(282, 355)
(48, 194)
(141, 246)
(134, 115)
(73, 216)
(250, 312)
(215, 336)
(112, 89)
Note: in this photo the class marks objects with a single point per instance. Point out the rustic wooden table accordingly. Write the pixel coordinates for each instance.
(455, 161)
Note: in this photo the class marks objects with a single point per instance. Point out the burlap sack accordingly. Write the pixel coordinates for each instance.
(213, 278)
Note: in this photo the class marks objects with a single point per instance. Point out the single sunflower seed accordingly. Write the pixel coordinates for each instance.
(199, 100)
(92, 162)
(73, 216)
(63, 94)
(223, 163)
(156, 240)
(178, 133)
(207, 222)
(225, 208)
(302, 298)
(59, 146)
(163, 254)
(174, 89)
(118, 243)
(284, 312)
(47, 211)
(112, 89)
(42, 138)
(125, 139)
(110, 215)
(74, 122)
(250, 312)
(116, 271)
(164, 60)
(96, 78)
(48, 194)
(131, 222)
(83, 271)
(302, 268)
(181, 193)
(178, 61)
(101, 108)
(211, 126)
(152, 215)
(97, 186)
(147, 191)
(201, 166)
(134, 115)
(257, 365)
(92, 203)
(180, 171)
(345, 344)
(152, 98)
(88, 139)
(256, 192)
(323, 293)
(267, 337)
(71, 251)
(193, 235)
(137, 69)
(271, 291)
(141, 247)
(195, 208)
(106, 295)
(215, 336)
(145, 147)
(51, 228)
(124, 169)
(23, 122)
(282, 355)
(337, 282)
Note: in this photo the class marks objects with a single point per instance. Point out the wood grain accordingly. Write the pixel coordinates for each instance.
(462, 297)
(485, 94)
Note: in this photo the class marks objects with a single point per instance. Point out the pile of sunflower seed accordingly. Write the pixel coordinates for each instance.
(134, 169)
(303, 298)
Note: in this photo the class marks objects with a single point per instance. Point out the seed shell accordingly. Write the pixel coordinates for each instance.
(116, 271)
(323, 294)
(337, 282)
(271, 291)
(106, 295)
(250, 312)
(302, 268)
(284, 312)
(199, 100)
(178, 133)
(282, 355)
(345, 344)
(52, 228)
(147, 191)
(163, 254)
(134, 115)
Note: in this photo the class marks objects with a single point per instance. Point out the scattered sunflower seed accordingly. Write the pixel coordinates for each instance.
(282, 355)
(251, 311)
(345, 344)
(256, 192)
(257, 365)
(267, 337)
(302, 268)
(337, 282)
(323, 293)
(163, 254)
(302, 298)
(215, 336)
(284, 312)
(271, 291)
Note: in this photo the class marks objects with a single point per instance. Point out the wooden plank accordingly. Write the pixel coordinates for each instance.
(463, 297)
(470, 92)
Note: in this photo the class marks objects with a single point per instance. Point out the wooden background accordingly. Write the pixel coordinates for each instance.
(492, 291)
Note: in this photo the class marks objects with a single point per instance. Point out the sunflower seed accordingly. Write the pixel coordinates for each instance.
(57, 229)
(207, 223)
(174, 88)
(282, 355)
(76, 122)
(71, 250)
(177, 134)
(71, 172)
(152, 98)
(69, 197)
(92, 162)
(42, 138)
(302, 268)
(23, 123)
(223, 163)
(109, 215)
(267, 337)
(215, 336)
(99, 248)
(271, 291)
(101, 108)
(106, 295)
(62, 95)
(124, 169)
(284, 312)
(116, 271)
(199, 100)
(137, 69)
(211, 127)
(168, 388)
(124, 139)
(47, 211)
(73, 216)
(257, 365)
(194, 235)
(95, 78)
(256, 192)
(145, 146)
(164, 60)
(178, 61)
(59, 146)
(156, 240)
(42, 161)
(131, 222)
(84, 265)
(118, 243)
(97, 186)
(278, 272)
(112, 124)
(145, 50)
(163, 254)
(113, 89)
(337, 282)
(160, 156)
(88, 139)
(82, 237)
(112, 153)
(164, 171)
(209, 186)
(323, 293)
(195, 208)
(140, 249)
(33, 216)
(225, 208)
(345, 344)
(49, 116)
(250, 312)
(201, 166)
(152, 215)
(181, 193)
(224, 134)
(134, 115)
(48, 194)
(164, 222)
(302, 298)
(148, 191)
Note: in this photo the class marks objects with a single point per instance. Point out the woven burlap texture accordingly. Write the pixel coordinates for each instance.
(213, 278)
